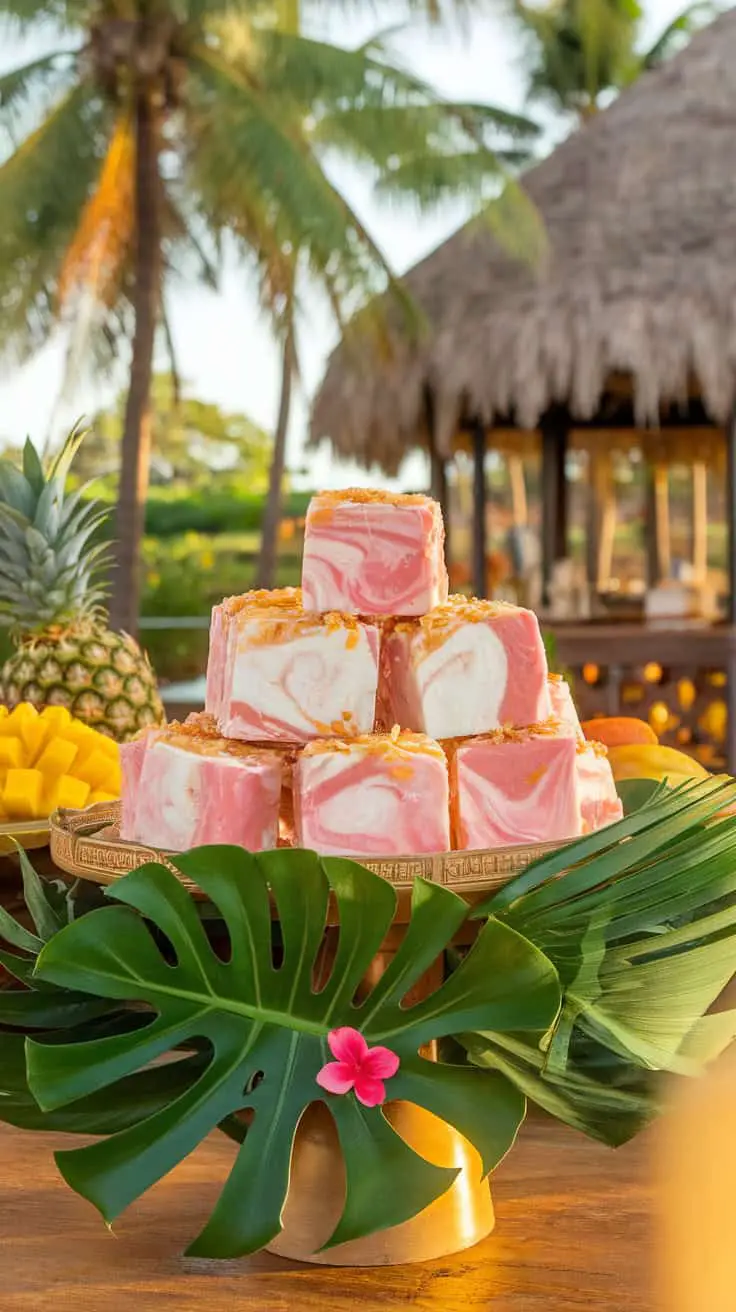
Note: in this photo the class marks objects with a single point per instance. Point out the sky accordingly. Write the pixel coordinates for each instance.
(225, 350)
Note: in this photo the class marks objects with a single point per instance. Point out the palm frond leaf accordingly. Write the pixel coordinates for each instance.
(640, 921)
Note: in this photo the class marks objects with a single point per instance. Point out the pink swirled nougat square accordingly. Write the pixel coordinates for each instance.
(563, 706)
(287, 599)
(282, 674)
(374, 553)
(465, 668)
(379, 795)
(184, 786)
(533, 785)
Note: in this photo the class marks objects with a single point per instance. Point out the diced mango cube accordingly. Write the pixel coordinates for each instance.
(33, 735)
(94, 769)
(56, 757)
(21, 797)
(84, 738)
(72, 792)
(94, 798)
(108, 745)
(23, 713)
(11, 753)
(57, 717)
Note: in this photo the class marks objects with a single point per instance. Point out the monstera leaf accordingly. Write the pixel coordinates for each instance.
(263, 1027)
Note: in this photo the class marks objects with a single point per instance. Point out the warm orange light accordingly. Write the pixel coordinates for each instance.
(696, 1255)
(652, 672)
(686, 693)
(591, 673)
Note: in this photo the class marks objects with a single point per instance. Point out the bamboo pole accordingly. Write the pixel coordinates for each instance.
(662, 519)
(700, 520)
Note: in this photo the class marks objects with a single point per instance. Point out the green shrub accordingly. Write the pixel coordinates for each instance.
(224, 506)
(186, 576)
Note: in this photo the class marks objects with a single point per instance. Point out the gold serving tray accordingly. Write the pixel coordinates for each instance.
(87, 844)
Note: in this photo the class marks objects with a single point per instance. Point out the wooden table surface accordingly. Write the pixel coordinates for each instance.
(572, 1233)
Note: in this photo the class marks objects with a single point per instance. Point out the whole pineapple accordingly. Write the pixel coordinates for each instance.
(52, 600)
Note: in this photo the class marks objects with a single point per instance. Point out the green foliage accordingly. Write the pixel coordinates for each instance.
(52, 570)
(252, 112)
(630, 929)
(191, 440)
(265, 1030)
(580, 50)
(642, 934)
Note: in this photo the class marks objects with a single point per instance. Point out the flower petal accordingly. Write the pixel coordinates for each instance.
(336, 1077)
(369, 1091)
(380, 1063)
(347, 1044)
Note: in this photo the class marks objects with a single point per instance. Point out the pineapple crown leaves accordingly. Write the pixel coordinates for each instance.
(48, 571)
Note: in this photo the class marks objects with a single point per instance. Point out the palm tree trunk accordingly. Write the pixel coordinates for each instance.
(266, 573)
(136, 449)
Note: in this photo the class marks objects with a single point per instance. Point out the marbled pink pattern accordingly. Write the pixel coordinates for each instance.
(374, 558)
(600, 804)
(176, 798)
(515, 792)
(317, 680)
(563, 706)
(359, 803)
(474, 676)
(216, 660)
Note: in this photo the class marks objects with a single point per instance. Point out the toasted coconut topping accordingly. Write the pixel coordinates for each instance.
(396, 745)
(199, 734)
(370, 496)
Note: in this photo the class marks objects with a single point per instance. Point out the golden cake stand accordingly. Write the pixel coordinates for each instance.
(87, 844)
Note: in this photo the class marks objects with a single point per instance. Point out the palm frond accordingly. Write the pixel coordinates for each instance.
(28, 87)
(44, 186)
(247, 143)
(640, 921)
(682, 26)
(98, 249)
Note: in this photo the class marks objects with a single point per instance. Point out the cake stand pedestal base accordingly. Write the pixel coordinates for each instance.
(456, 1221)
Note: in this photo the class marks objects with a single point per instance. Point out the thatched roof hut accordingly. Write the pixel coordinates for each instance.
(638, 287)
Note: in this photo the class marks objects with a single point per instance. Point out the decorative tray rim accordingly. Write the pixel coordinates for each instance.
(81, 847)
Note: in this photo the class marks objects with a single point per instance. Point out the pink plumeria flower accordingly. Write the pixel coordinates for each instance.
(357, 1067)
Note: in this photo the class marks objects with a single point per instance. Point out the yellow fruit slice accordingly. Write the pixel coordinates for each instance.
(68, 792)
(11, 753)
(23, 713)
(56, 758)
(3, 711)
(22, 794)
(108, 745)
(57, 717)
(642, 762)
(96, 769)
(33, 734)
(102, 797)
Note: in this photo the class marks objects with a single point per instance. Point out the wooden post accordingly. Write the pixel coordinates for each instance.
(731, 609)
(438, 470)
(662, 518)
(700, 520)
(554, 429)
(651, 543)
(607, 503)
(479, 510)
(519, 506)
(731, 514)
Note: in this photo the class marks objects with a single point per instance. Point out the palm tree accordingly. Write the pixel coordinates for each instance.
(581, 51)
(150, 131)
